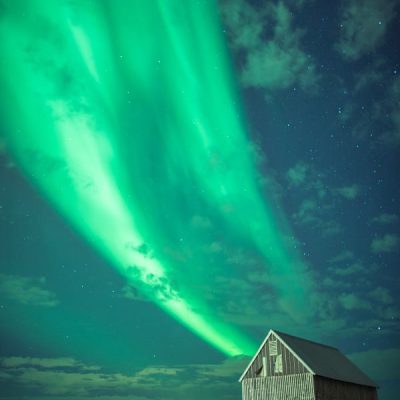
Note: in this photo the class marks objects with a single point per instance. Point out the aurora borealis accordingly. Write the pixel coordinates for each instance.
(87, 121)
(149, 134)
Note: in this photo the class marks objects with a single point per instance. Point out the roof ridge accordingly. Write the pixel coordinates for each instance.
(305, 340)
(312, 355)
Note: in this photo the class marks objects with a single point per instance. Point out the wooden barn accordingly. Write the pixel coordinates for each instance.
(286, 367)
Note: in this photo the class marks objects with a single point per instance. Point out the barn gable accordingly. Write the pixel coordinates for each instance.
(281, 354)
(275, 358)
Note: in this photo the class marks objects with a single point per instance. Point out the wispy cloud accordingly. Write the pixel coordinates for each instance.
(363, 26)
(373, 114)
(351, 301)
(312, 212)
(349, 192)
(386, 219)
(317, 199)
(47, 363)
(356, 306)
(27, 290)
(371, 75)
(273, 58)
(344, 255)
(304, 176)
(68, 378)
(390, 107)
(297, 174)
(200, 222)
(381, 295)
(354, 268)
(385, 244)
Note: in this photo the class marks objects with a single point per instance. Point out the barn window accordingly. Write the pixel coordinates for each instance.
(273, 348)
(264, 366)
(278, 364)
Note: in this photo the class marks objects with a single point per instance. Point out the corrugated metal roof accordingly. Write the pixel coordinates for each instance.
(325, 360)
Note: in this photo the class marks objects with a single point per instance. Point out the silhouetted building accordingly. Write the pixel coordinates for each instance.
(286, 367)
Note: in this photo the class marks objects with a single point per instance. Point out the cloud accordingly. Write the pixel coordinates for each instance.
(342, 256)
(27, 290)
(313, 209)
(243, 305)
(270, 45)
(364, 24)
(306, 211)
(47, 363)
(381, 295)
(351, 269)
(298, 3)
(251, 293)
(377, 119)
(200, 222)
(385, 244)
(361, 275)
(244, 23)
(214, 247)
(297, 174)
(351, 297)
(312, 212)
(330, 227)
(131, 293)
(390, 106)
(68, 378)
(351, 301)
(349, 192)
(304, 176)
(386, 218)
(334, 283)
(370, 76)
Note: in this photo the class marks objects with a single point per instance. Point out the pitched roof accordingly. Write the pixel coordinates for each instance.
(321, 360)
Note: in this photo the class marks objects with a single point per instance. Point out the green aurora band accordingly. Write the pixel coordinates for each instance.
(126, 115)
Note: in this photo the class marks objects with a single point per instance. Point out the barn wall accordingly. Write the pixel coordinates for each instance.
(287, 387)
(330, 389)
(291, 365)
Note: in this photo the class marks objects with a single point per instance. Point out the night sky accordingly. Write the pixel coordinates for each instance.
(179, 177)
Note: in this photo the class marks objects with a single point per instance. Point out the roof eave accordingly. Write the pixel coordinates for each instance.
(255, 356)
(372, 384)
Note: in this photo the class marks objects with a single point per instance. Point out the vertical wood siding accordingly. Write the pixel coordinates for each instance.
(289, 387)
(330, 389)
(261, 382)
(291, 365)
